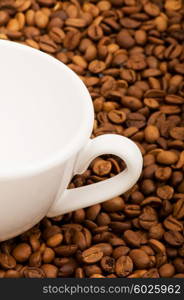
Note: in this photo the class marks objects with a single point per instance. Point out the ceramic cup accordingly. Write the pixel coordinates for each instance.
(46, 120)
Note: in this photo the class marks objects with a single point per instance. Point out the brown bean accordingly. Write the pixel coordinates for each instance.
(22, 252)
(51, 271)
(114, 204)
(124, 266)
(140, 258)
(7, 261)
(92, 255)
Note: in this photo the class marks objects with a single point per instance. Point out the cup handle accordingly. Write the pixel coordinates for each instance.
(81, 197)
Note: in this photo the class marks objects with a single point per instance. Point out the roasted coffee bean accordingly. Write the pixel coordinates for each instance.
(156, 231)
(174, 238)
(51, 271)
(93, 211)
(148, 218)
(103, 219)
(165, 192)
(124, 266)
(132, 238)
(167, 157)
(12, 274)
(92, 255)
(32, 272)
(108, 264)
(22, 252)
(120, 251)
(157, 246)
(178, 212)
(173, 224)
(106, 248)
(152, 273)
(102, 167)
(7, 261)
(179, 264)
(55, 240)
(48, 255)
(140, 258)
(35, 260)
(92, 269)
(66, 250)
(167, 271)
(113, 205)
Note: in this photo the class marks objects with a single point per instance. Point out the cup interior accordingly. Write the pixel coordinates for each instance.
(45, 109)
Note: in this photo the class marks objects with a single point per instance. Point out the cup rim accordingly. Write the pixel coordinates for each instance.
(76, 142)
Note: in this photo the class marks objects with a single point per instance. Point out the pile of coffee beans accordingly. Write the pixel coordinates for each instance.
(130, 55)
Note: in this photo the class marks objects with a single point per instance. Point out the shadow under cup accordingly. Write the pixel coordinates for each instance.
(45, 110)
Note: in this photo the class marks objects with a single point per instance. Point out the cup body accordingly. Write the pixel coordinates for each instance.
(45, 101)
(46, 119)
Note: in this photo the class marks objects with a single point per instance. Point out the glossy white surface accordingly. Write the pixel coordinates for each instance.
(46, 118)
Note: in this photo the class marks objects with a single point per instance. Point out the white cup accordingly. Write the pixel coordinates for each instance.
(46, 119)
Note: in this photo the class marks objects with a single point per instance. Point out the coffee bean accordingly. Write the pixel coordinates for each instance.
(156, 232)
(93, 211)
(139, 258)
(152, 273)
(92, 269)
(124, 39)
(132, 210)
(108, 264)
(22, 252)
(79, 215)
(97, 66)
(151, 9)
(35, 260)
(165, 192)
(113, 205)
(7, 261)
(117, 116)
(167, 157)
(105, 248)
(124, 266)
(132, 238)
(50, 271)
(103, 219)
(4, 17)
(157, 246)
(55, 240)
(102, 167)
(48, 255)
(72, 39)
(32, 272)
(167, 271)
(148, 218)
(92, 255)
(12, 274)
(151, 134)
(66, 250)
(179, 264)
(174, 238)
(163, 174)
(178, 212)
(173, 224)
(41, 19)
(120, 251)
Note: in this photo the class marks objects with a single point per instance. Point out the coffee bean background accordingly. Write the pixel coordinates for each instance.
(130, 55)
